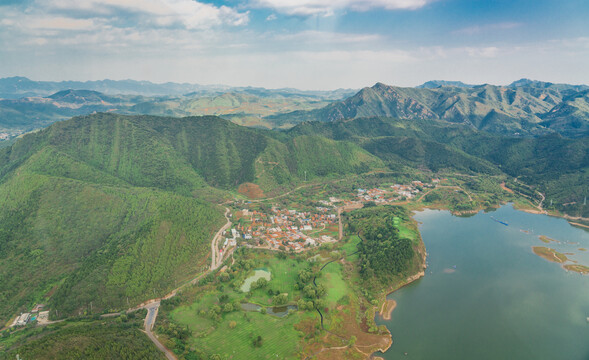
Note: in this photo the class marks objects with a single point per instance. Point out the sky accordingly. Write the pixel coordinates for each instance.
(304, 44)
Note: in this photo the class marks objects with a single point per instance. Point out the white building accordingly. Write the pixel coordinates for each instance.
(23, 319)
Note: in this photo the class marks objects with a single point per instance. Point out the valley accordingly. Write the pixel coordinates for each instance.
(298, 180)
(180, 231)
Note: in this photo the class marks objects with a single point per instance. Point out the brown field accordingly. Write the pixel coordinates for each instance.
(252, 191)
(549, 254)
(335, 346)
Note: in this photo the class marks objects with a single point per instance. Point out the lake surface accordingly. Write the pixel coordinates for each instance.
(486, 295)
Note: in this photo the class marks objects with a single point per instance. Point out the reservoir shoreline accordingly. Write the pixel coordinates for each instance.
(445, 298)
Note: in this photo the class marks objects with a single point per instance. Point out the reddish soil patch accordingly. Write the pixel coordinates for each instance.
(506, 188)
(250, 190)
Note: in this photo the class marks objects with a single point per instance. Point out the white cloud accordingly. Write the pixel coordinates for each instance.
(485, 51)
(477, 29)
(271, 17)
(323, 37)
(61, 23)
(329, 7)
(188, 14)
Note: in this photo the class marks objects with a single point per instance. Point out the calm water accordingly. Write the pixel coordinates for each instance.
(487, 296)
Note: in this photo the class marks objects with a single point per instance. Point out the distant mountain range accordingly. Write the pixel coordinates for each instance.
(17, 87)
(26, 105)
(522, 108)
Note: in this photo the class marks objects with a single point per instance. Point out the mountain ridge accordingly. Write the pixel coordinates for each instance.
(517, 110)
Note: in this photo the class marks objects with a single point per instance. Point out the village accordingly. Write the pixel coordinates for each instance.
(34, 316)
(282, 229)
(396, 192)
(277, 228)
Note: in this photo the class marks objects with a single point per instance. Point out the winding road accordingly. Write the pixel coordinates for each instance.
(216, 256)
(152, 310)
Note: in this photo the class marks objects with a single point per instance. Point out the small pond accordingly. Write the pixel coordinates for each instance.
(258, 274)
(280, 311)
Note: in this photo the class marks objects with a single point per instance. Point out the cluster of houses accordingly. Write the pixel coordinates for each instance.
(283, 229)
(4, 136)
(395, 193)
(29, 317)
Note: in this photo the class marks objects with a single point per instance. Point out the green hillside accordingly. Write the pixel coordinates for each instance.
(114, 338)
(65, 240)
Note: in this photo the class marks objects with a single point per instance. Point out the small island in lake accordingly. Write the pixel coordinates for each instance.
(546, 239)
(581, 269)
(549, 254)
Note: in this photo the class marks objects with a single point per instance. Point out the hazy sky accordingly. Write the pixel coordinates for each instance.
(307, 44)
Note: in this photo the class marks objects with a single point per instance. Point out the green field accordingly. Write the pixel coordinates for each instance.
(279, 338)
(333, 280)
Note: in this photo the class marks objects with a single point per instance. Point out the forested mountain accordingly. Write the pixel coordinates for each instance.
(523, 108)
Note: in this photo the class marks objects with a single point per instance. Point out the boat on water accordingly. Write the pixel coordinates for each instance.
(500, 222)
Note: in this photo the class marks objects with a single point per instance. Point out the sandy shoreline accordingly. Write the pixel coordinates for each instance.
(387, 309)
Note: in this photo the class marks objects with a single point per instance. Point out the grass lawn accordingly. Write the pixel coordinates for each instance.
(279, 338)
(350, 247)
(284, 276)
(333, 281)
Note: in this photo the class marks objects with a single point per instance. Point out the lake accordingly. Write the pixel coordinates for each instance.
(486, 295)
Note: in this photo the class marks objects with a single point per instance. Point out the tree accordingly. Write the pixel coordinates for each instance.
(280, 299)
(261, 282)
(352, 341)
(232, 324)
(257, 341)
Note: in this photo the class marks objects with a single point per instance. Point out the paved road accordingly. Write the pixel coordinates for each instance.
(216, 257)
(152, 310)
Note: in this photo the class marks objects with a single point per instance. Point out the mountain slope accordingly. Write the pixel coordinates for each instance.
(513, 110)
(571, 116)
